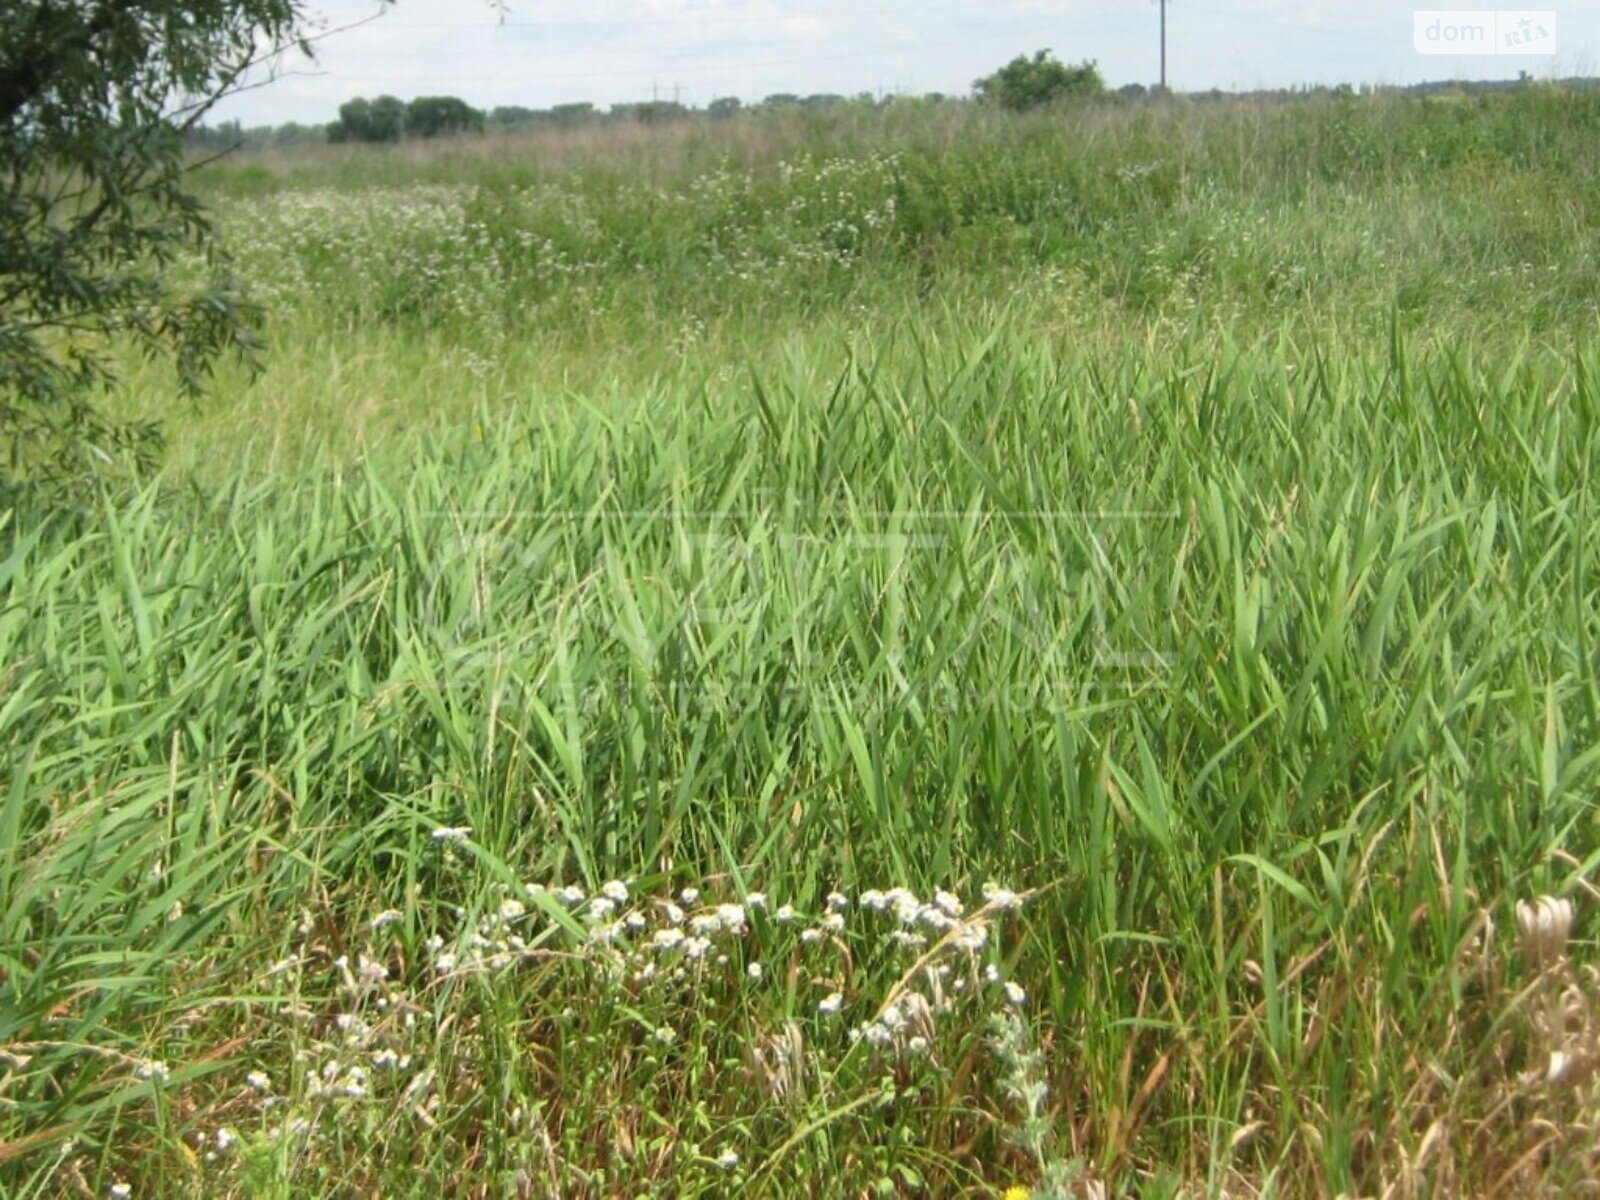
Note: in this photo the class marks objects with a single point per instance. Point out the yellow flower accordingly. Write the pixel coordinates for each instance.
(1015, 1193)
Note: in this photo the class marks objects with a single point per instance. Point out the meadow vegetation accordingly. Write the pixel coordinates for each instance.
(913, 653)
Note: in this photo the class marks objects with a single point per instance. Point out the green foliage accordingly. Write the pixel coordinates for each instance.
(372, 121)
(650, 112)
(1241, 661)
(94, 100)
(1233, 581)
(572, 114)
(1224, 212)
(1036, 82)
(441, 116)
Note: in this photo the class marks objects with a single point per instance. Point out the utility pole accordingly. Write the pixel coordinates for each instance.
(1163, 47)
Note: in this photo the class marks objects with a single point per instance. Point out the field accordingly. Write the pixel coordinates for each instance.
(916, 653)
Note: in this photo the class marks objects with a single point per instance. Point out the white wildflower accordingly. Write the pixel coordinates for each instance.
(120, 1191)
(667, 939)
(998, 897)
(387, 917)
(971, 937)
(600, 908)
(225, 1139)
(785, 914)
(615, 890)
(671, 913)
(666, 1035)
(452, 833)
(756, 899)
(831, 1003)
(838, 901)
(153, 1071)
(689, 895)
(754, 970)
(1015, 994)
(570, 896)
(728, 1160)
(511, 910)
(948, 903)
(732, 917)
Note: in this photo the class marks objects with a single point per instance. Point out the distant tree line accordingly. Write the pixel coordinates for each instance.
(1026, 83)
(514, 119)
(387, 119)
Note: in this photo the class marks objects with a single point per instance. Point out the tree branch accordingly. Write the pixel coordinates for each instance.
(37, 64)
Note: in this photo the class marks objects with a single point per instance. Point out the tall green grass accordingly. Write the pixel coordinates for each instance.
(1257, 642)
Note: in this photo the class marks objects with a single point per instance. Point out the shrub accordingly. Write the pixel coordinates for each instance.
(439, 116)
(1026, 83)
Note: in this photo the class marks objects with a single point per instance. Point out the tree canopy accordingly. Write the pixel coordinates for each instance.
(95, 97)
(363, 120)
(1026, 83)
(387, 119)
(441, 116)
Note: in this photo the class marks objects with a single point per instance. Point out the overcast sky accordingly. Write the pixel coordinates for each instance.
(609, 51)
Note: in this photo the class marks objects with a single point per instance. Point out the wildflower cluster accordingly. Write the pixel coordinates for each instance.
(485, 260)
(654, 979)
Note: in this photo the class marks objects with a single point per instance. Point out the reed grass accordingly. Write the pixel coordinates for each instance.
(1201, 635)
